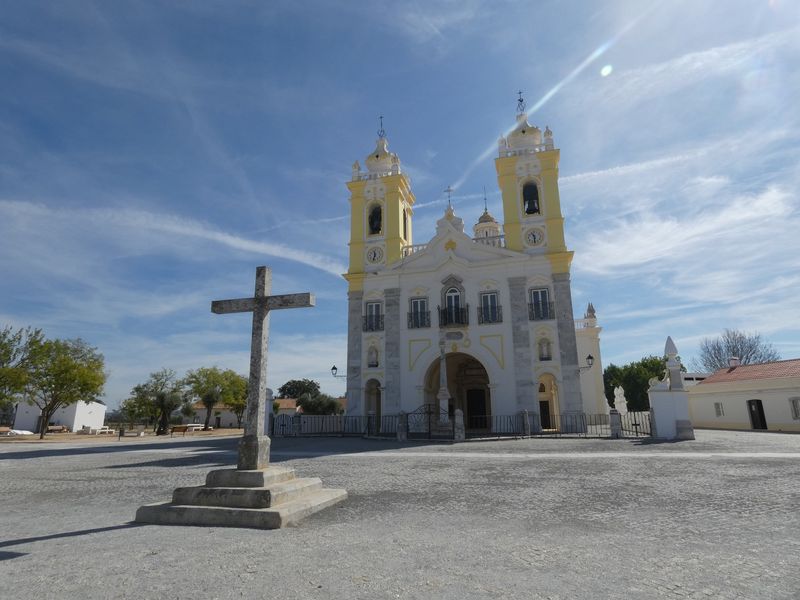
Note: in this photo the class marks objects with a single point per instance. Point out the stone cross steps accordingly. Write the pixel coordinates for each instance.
(264, 499)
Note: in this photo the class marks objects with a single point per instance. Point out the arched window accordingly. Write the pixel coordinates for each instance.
(530, 198)
(452, 298)
(375, 219)
(542, 388)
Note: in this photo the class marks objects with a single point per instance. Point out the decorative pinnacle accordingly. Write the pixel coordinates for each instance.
(485, 205)
(381, 131)
(520, 103)
(449, 191)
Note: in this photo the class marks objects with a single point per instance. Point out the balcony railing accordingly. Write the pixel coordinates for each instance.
(541, 312)
(453, 317)
(498, 241)
(490, 314)
(419, 320)
(373, 323)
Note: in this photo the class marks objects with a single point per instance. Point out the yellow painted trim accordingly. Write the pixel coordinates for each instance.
(412, 361)
(501, 360)
(560, 261)
(450, 245)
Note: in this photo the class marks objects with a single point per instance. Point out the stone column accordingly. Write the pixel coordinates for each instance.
(526, 423)
(443, 396)
(570, 388)
(459, 433)
(402, 426)
(525, 386)
(254, 445)
(615, 421)
(391, 360)
(354, 337)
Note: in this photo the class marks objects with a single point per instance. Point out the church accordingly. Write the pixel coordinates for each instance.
(476, 319)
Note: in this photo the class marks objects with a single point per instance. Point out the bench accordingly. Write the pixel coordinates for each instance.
(5, 430)
(103, 429)
(57, 429)
(178, 429)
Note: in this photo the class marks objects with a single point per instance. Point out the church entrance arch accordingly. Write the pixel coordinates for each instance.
(548, 401)
(468, 384)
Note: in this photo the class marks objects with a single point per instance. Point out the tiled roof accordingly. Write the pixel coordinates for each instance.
(781, 368)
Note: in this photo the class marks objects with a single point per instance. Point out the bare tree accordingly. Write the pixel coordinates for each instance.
(749, 348)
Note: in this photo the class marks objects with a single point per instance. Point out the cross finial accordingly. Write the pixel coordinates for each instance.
(449, 191)
(520, 103)
(381, 131)
(485, 205)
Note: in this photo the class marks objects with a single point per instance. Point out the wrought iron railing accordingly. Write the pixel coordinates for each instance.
(419, 319)
(490, 314)
(541, 311)
(373, 323)
(453, 317)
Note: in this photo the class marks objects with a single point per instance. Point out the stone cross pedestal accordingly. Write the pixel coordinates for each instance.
(255, 494)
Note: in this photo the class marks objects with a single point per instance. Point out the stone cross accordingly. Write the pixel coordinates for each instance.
(254, 445)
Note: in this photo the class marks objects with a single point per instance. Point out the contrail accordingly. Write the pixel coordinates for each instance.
(597, 53)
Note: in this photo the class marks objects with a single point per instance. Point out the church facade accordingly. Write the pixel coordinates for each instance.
(479, 320)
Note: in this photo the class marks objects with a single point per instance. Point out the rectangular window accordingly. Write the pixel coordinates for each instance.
(794, 404)
(419, 316)
(489, 308)
(373, 320)
(718, 409)
(540, 307)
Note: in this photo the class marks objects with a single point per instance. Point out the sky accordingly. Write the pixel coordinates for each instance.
(152, 154)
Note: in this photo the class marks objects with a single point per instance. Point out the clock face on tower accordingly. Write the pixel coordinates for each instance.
(534, 237)
(375, 254)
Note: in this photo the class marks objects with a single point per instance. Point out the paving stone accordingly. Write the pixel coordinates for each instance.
(543, 518)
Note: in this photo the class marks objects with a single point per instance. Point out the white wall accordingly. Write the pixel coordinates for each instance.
(774, 395)
(75, 416)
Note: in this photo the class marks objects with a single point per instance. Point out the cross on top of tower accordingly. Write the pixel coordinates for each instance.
(520, 103)
(381, 131)
(449, 191)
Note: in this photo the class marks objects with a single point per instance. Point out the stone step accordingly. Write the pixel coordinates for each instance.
(276, 517)
(248, 479)
(247, 497)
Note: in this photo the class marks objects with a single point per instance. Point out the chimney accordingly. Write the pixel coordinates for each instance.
(733, 362)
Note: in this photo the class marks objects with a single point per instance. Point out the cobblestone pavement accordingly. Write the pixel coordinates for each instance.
(718, 517)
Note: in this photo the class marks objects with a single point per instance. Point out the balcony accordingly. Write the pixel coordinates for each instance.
(373, 323)
(419, 320)
(541, 312)
(490, 314)
(454, 317)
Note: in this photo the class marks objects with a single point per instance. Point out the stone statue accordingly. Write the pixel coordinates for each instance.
(620, 403)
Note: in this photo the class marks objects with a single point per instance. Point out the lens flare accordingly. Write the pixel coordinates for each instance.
(606, 71)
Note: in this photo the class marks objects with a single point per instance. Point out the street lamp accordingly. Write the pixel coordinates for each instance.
(334, 372)
(589, 363)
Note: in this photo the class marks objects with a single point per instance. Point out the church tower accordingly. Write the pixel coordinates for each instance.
(527, 174)
(381, 204)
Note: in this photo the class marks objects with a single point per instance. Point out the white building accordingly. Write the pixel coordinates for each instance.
(74, 417)
(493, 310)
(760, 397)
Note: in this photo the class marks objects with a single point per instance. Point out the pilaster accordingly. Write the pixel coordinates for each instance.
(570, 396)
(392, 374)
(524, 385)
(355, 301)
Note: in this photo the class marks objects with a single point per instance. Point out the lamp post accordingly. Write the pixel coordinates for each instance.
(334, 372)
(589, 363)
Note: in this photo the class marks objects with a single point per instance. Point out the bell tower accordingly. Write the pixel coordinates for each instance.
(381, 204)
(527, 174)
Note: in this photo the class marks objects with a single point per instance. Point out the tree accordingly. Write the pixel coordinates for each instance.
(60, 373)
(294, 388)
(321, 404)
(211, 386)
(150, 400)
(15, 355)
(635, 380)
(749, 348)
(236, 387)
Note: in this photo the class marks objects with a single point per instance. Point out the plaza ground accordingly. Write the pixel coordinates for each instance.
(541, 518)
